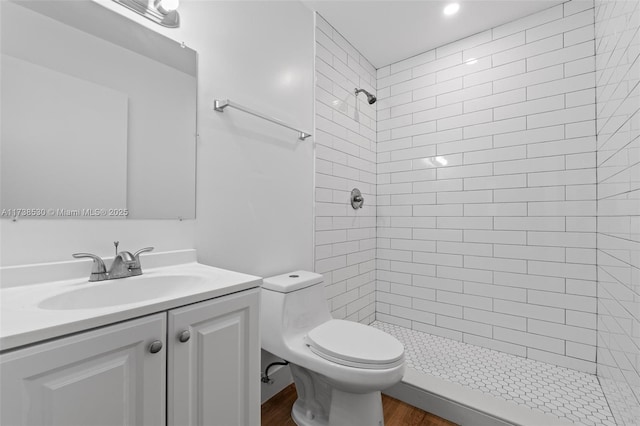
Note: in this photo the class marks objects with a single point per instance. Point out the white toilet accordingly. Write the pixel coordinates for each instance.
(339, 367)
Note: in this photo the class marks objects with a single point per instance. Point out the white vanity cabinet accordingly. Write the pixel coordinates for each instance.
(106, 376)
(213, 376)
(111, 375)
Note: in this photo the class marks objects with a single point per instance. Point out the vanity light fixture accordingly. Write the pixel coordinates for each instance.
(451, 9)
(163, 12)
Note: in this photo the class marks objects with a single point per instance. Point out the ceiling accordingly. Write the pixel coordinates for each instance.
(387, 31)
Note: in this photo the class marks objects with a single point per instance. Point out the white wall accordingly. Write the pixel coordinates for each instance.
(345, 159)
(255, 179)
(486, 189)
(41, 240)
(618, 118)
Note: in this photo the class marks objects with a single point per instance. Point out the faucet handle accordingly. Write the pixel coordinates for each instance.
(98, 271)
(136, 257)
(144, 250)
(98, 263)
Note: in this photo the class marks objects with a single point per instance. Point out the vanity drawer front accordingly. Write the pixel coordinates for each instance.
(106, 376)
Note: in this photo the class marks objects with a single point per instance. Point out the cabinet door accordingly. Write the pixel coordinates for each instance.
(214, 376)
(103, 377)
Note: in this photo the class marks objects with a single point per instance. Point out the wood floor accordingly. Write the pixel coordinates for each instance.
(277, 412)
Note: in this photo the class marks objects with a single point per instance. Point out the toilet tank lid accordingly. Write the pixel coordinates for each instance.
(291, 281)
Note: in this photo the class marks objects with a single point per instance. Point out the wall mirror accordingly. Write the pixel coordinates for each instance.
(98, 115)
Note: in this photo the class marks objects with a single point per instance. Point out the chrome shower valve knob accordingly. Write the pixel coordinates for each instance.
(356, 199)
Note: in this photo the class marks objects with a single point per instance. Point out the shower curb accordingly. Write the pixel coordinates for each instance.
(465, 406)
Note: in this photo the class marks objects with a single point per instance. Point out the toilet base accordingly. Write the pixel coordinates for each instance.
(347, 409)
(302, 417)
(320, 404)
(356, 409)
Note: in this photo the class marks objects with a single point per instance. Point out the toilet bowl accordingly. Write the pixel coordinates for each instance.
(339, 367)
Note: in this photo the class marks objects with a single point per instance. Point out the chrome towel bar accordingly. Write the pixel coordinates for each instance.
(219, 105)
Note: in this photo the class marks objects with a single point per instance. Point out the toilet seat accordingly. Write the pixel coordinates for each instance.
(355, 345)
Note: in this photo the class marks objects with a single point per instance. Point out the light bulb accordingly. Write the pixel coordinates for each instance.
(451, 9)
(168, 5)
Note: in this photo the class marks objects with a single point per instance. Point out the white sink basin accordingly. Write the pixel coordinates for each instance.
(121, 291)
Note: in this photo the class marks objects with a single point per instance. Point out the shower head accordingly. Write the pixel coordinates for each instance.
(370, 98)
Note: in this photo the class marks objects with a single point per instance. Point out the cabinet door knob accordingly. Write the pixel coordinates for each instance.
(184, 336)
(155, 346)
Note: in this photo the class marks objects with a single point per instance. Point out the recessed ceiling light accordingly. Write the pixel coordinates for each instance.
(451, 9)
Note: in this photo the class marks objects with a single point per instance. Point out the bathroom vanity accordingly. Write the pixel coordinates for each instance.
(185, 354)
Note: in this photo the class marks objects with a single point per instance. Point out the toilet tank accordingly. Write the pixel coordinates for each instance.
(291, 305)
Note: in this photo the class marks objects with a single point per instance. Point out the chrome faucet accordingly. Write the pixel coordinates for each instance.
(124, 264)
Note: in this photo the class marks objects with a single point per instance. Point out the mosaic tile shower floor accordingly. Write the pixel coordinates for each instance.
(559, 391)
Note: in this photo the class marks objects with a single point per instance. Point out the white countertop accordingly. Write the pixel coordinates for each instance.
(23, 321)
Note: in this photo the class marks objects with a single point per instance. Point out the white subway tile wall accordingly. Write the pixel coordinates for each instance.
(345, 138)
(486, 184)
(617, 37)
